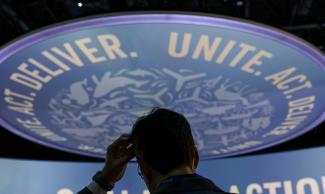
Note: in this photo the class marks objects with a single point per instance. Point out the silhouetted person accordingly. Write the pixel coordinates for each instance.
(164, 148)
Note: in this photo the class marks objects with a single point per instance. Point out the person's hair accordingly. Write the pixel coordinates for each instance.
(163, 139)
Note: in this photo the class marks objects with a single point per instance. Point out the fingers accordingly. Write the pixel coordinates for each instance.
(128, 154)
(121, 148)
(119, 153)
(123, 140)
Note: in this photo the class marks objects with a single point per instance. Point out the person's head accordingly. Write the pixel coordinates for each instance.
(164, 144)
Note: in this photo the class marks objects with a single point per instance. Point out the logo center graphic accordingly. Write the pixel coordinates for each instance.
(222, 111)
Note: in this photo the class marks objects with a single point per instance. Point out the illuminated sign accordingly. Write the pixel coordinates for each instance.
(243, 87)
(278, 173)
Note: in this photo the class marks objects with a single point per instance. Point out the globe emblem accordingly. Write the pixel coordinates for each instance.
(222, 111)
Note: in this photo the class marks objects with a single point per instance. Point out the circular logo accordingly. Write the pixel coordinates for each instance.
(243, 87)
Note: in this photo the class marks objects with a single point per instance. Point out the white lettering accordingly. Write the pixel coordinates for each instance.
(26, 81)
(113, 48)
(205, 47)
(230, 45)
(256, 60)
(272, 187)
(307, 182)
(64, 191)
(33, 73)
(234, 189)
(89, 52)
(70, 56)
(245, 48)
(254, 188)
(173, 45)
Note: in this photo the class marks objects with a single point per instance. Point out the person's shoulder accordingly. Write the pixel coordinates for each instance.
(214, 188)
(190, 184)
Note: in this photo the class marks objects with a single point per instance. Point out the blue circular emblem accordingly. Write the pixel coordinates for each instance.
(243, 87)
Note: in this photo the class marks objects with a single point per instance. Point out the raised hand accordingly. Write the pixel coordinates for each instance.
(119, 153)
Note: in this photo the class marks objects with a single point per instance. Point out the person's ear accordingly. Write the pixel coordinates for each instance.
(196, 158)
(145, 170)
